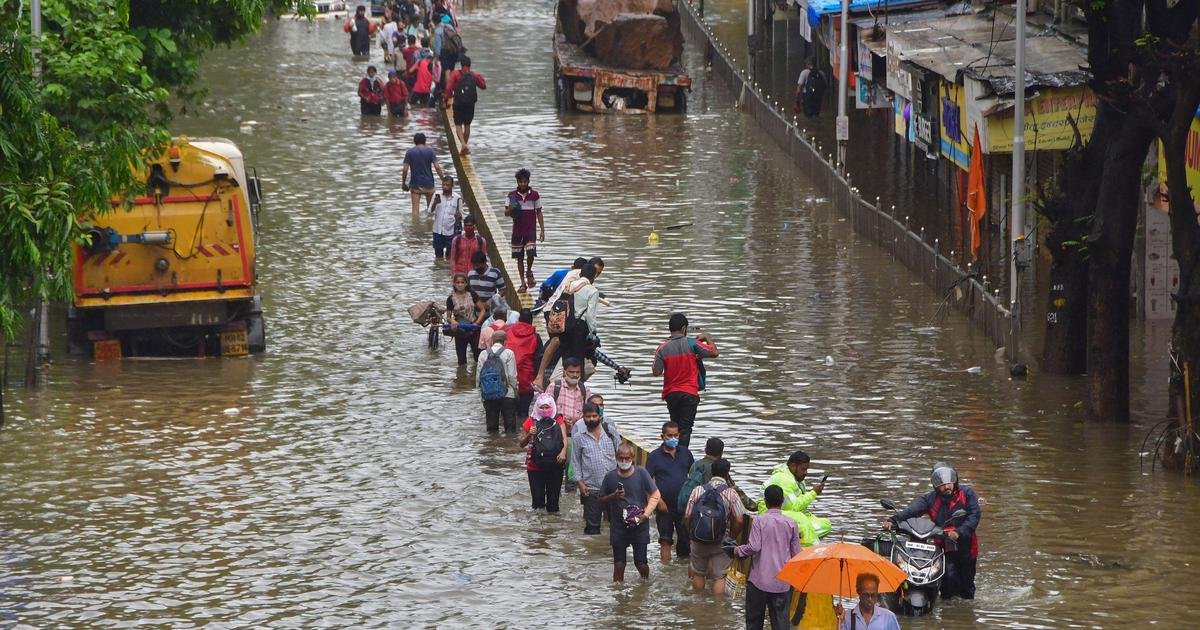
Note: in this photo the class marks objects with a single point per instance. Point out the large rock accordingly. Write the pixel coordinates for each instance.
(638, 41)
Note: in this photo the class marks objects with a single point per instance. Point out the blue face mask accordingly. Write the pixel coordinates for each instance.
(671, 442)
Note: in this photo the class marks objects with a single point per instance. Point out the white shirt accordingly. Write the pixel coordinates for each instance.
(389, 29)
(803, 77)
(510, 368)
(445, 209)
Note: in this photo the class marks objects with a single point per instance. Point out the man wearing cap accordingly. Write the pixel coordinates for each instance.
(961, 544)
(396, 94)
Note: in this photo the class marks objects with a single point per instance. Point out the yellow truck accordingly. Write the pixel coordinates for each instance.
(174, 272)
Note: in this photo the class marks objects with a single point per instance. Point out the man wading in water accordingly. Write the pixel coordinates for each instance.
(631, 497)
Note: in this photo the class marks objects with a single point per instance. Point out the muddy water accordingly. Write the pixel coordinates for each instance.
(344, 478)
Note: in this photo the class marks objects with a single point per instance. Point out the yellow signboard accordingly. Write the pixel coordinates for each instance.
(1191, 164)
(1046, 124)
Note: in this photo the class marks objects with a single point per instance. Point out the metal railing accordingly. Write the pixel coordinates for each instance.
(886, 227)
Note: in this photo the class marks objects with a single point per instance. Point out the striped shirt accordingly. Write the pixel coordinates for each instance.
(593, 457)
(485, 285)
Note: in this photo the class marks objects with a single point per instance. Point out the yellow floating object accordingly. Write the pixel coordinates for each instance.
(653, 238)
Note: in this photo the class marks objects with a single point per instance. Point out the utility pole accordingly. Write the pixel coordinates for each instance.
(43, 310)
(843, 122)
(1017, 227)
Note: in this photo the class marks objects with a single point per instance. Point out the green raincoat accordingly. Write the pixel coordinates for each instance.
(796, 499)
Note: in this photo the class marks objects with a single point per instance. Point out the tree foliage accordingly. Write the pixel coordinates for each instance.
(79, 107)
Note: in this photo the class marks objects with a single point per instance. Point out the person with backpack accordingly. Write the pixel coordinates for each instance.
(451, 51)
(497, 382)
(593, 454)
(545, 440)
(810, 90)
(678, 361)
(669, 465)
(462, 92)
(701, 472)
(447, 210)
(463, 246)
(571, 322)
(774, 539)
(631, 497)
(714, 512)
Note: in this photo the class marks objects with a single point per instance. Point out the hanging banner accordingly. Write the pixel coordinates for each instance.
(864, 61)
(870, 95)
(898, 106)
(953, 141)
(898, 80)
(1046, 121)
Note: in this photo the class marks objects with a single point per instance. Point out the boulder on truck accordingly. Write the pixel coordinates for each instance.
(172, 271)
(619, 56)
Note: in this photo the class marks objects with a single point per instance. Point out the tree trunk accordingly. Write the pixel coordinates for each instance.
(1110, 247)
(1184, 388)
(1064, 349)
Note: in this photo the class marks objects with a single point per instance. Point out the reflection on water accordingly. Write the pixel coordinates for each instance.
(344, 478)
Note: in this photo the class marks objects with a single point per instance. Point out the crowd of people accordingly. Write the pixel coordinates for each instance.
(427, 63)
(533, 380)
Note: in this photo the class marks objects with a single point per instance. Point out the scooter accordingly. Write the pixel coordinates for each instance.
(914, 546)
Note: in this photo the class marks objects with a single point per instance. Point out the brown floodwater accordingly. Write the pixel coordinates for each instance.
(345, 479)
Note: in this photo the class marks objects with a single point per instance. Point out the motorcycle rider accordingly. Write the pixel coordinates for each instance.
(961, 543)
(797, 497)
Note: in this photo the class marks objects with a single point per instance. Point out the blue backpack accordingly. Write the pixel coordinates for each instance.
(493, 384)
(709, 522)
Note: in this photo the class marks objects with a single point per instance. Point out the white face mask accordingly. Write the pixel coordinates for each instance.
(624, 465)
(571, 381)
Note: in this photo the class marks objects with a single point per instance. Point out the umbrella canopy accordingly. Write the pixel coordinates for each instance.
(832, 569)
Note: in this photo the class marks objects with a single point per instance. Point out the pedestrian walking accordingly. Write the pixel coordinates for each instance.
(462, 87)
(669, 465)
(447, 210)
(593, 454)
(798, 497)
(421, 162)
(678, 361)
(701, 472)
(497, 383)
(462, 311)
(714, 513)
(360, 28)
(810, 90)
(774, 538)
(464, 246)
(570, 392)
(868, 615)
(487, 283)
(524, 205)
(526, 344)
(571, 323)
(544, 437)
(631, 497)
(370, 93)
(396, 95)
(499, 321)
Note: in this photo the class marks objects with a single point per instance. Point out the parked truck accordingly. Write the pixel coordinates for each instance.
(173, 271)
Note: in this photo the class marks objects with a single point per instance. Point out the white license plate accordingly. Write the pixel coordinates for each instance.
(922, 546)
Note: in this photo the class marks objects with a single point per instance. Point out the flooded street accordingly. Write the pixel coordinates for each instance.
(344, 477)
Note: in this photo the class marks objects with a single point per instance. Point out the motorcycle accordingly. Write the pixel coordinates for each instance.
(916, 546)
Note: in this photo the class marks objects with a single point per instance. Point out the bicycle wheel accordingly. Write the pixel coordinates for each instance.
(434, 337)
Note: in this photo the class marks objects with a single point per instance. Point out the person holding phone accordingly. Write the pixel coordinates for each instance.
(798, 497)
(631, 497)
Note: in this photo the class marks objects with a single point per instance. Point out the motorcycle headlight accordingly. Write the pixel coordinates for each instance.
(937, 566)
(906, 567)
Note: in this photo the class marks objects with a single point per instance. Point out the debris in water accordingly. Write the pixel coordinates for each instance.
(828, 360)
(975, 370)
(653, 238)
(232, 411)
(733, 180)
(65, 578)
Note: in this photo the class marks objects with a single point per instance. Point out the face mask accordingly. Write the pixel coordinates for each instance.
(571, 381)
(671, 442)
(469, 231)
(591, 424)
(624, 465)
(601, 410)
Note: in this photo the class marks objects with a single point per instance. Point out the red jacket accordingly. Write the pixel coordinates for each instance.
(367, 92)
(395, 91)
(524, 341)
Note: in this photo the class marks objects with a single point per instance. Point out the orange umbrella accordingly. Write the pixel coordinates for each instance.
(832, 569)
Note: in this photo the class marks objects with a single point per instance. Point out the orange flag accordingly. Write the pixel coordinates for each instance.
(976, 193)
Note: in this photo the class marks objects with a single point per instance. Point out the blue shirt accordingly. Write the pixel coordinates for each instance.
(669, 472)
(553, 280)
(420, 164)
(881, 619)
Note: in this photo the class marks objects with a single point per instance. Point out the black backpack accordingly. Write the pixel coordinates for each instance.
(709, 520)
(466, 90)
(547, 442)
